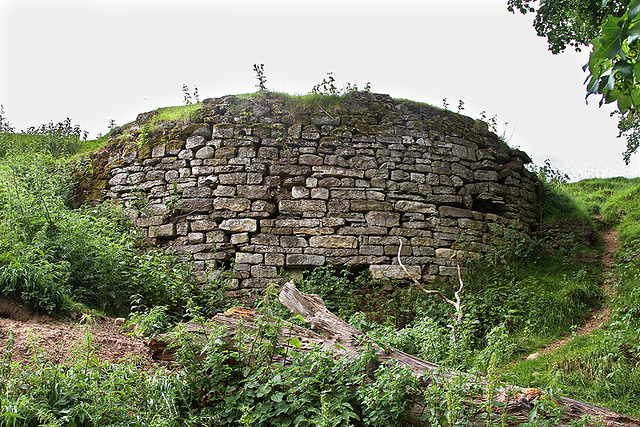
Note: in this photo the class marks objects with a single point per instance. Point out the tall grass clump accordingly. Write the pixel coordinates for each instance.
(55, 257)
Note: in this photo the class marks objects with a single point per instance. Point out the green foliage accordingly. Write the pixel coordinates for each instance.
(558, 205)
(53, 256)
(180, 113)
(612, 29)
(565, 23)
(621, 210)
(602, 367)
(54, 139)
(345, 293)
(528, 290)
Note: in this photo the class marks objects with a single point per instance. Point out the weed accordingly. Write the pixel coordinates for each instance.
(260, 76)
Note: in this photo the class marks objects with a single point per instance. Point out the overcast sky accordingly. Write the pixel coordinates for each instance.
(97, 60)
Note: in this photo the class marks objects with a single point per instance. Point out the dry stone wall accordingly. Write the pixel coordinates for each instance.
(272, 183)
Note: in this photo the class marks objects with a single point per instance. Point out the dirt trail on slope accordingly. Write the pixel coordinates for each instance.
(601, 316)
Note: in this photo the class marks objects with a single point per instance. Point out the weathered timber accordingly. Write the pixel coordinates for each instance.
(343, 340)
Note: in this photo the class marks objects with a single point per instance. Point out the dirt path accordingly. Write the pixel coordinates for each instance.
(601, 316)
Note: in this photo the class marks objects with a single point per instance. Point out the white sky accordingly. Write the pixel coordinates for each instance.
(97, 60)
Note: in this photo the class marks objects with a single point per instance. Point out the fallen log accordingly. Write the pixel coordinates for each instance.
(334, 334)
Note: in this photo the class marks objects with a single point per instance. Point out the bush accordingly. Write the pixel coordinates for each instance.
(53, 256)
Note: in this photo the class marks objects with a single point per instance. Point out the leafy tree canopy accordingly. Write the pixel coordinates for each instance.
(611, 28)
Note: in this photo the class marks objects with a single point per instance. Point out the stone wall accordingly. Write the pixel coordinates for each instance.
(274, 182)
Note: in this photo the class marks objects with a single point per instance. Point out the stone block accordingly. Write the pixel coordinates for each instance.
(304, 260)
(222, 131)
(206, 152)
(254, 191)
(196, 237)
(191, 192)
(203, 225)
(158, 151)
(264, 271)
(195, 142)
(164, 231)
(231, 204)
(299, 192)
(395, 272)
(293, 242)
(291, 206)
(370, 205)
(310, 160)
(225, 153)
(485, 175)
(274, 258)
(334, 241)
(383, 219)
(233, 178)
(238, 225)
(262, 206)
(320, 193)
(248, 258)
(453, 212)
(194, 205)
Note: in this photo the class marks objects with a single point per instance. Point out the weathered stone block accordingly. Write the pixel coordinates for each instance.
(383, 219)
(248, 258)
(158, 151)
(333, 242)
(232, 204)
(206, 152)
(293, 242)
(254, 191)
(164, 231)
(195, 142)
(191, 192)
(395, 272)
(222, 131)
(299, 192)
(310, 160)
(275, 259)
(194, 205)
(370, 205)
(233, 178)
(485, 175)
(238, 225)
(304, 260)
(203, 225)
(453, 212)
(290, 206)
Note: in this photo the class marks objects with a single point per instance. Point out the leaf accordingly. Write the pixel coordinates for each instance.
(277, 397)
(295, 342)
(263, 389)
(625, 69)
(634, 8)
(609, 44)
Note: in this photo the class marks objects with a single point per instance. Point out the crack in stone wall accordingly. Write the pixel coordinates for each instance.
(269, 185)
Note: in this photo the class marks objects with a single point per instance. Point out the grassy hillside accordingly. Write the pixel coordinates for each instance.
(602, 367)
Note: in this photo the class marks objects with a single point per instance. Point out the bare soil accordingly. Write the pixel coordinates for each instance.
(602, 315)
(62, 340)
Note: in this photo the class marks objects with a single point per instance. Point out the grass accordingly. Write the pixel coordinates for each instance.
(561, 206)
(295, 102)
(181, 113)
(603, 367)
